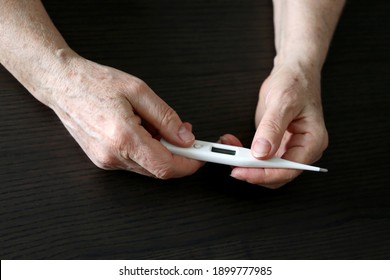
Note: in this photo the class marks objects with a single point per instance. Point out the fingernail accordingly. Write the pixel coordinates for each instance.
(261, 148)
(185, 135)
(221, 140)
(236, 174)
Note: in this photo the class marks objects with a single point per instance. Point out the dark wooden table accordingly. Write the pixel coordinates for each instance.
(207, 59)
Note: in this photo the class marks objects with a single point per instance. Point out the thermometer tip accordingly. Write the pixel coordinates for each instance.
(323, 170)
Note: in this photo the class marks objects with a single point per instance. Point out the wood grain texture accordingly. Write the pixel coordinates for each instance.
(207, 59)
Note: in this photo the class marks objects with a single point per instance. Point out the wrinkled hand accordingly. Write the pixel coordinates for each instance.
(289, 123)
(117, 120)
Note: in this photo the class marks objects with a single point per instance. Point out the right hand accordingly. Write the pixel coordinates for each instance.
(118, 120)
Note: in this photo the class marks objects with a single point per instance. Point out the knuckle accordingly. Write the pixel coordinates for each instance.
(119, 141)
(168, 116)
(105, 160)
(113, 147)
(139, 86)
(281, 180)
(271, 126)
(163, 173)
(325, 142)
(289, 103)
(159, 167)
(288, 97)
(321, 140)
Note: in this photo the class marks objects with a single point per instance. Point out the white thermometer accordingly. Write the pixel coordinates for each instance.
(233, 156)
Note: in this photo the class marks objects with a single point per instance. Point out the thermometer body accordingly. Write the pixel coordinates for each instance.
(233, 155)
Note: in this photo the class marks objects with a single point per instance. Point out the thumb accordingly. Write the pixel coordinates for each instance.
(163, 118)
(170, 126)
(269, 133)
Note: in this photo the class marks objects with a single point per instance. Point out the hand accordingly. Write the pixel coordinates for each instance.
(289, 123)
(117, 120)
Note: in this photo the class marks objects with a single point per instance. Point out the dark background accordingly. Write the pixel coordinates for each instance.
(207, 59)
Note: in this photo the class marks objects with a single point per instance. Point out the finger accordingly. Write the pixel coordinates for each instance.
(271, 178)
(134, 167)
(299, 148)
(154, 132)
(271, 130)
(303, 148)
(158, 160)
(229, 139)
(160, 115)
(267, 177)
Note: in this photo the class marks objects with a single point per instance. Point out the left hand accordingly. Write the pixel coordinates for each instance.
(289, 123)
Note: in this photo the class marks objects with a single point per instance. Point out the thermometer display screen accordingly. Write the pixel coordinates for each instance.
(223, 151)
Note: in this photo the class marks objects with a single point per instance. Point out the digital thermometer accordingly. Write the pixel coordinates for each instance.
(233, 155)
